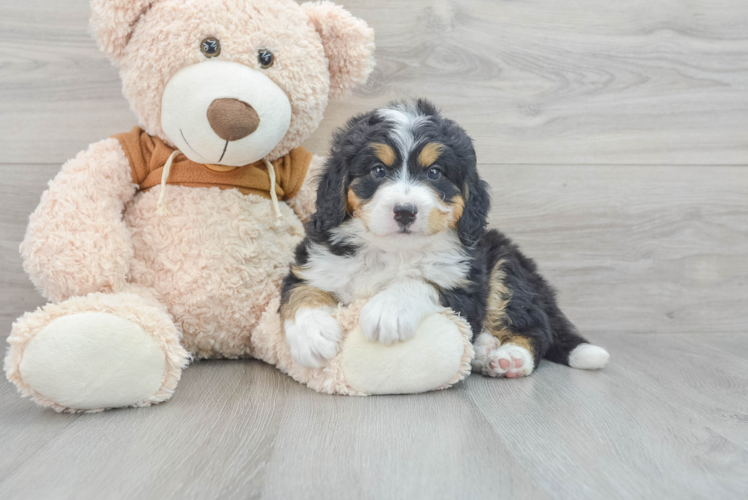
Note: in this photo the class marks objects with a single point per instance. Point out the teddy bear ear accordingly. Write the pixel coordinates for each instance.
(112, 22)
(348, 43)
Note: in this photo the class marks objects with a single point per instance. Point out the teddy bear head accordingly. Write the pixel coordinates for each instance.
(230, 82)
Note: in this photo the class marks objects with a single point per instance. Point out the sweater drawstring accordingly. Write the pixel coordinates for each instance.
(273, 194)
(161, 209)
(161, 205)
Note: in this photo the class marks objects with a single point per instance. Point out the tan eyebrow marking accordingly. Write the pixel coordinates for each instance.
(430, 153)
(353, 202)
(384, 153)
(304, 296)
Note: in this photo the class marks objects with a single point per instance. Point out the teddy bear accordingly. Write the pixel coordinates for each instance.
(169, 242)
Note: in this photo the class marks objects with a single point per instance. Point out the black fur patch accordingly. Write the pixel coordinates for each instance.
(530, 311)
(352, 156)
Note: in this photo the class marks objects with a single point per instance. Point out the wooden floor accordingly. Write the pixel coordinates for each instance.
(615, 137)
(667, 419)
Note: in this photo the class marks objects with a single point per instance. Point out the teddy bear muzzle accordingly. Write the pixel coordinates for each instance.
(224, 113)
(232, 119)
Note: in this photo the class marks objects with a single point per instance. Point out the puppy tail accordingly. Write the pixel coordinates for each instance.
(571, 349)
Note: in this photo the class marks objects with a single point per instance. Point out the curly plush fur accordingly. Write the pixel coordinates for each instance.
(200, 280)
(204, 280)
(135, 304)
(322, 51)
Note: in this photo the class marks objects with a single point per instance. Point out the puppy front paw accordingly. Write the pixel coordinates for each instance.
(388, 320)
(314, 337)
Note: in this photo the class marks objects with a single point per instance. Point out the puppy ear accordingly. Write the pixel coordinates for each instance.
(472, 223)
(331, 196)
(348, 43)
(112, 22)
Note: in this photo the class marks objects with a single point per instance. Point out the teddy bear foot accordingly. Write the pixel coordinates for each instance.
(95, 352)
(437, 357)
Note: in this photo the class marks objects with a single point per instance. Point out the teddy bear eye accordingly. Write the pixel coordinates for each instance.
(265, 58)
(211, 47)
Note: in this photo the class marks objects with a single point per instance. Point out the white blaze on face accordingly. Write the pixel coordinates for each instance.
(405, 120)
(191, 91)
(380, 211)
(403, 190)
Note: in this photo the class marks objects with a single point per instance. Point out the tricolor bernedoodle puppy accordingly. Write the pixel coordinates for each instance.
(401, 220)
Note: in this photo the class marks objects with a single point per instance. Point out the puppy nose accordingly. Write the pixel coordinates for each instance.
(232, 119)
(405, 214)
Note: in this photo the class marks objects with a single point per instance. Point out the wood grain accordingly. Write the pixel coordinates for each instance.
(615, 138)
(534, 82)
(646, 426)
(631, 249)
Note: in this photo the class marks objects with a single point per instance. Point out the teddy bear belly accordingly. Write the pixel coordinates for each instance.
(216, 260)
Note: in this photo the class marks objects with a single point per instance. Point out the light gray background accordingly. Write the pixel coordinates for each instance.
(615, 137)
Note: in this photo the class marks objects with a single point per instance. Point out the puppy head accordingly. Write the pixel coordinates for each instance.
(404, 172)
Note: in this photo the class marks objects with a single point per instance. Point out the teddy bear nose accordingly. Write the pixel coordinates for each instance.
(232, 119)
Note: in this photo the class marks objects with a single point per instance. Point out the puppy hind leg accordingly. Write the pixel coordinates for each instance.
(483, 345)
(513, 358)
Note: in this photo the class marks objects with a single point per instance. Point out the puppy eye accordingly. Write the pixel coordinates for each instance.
(211, 47)
(434, 174)
(378, 172)
(265, 58)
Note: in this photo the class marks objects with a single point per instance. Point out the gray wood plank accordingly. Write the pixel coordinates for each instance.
(630, 248)
(21, 187)
(449, 453)
(240, 404)
(545, 88)
(666, 418)
(642, 428)
(580, 81)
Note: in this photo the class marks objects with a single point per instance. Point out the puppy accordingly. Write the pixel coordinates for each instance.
(401, 221)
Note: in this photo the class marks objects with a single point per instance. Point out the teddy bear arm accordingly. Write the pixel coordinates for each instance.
(77, 242)
(303, 204)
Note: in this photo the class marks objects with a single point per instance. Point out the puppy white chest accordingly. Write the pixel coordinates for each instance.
(372, 268)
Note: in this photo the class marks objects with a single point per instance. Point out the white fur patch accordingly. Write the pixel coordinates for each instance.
(383, 261)
(588, 357)
(380, 211)
(94, 360)
(394, 314)
(191, 91)
(405, 119)
(484, 344)
(397, 275)
(314, 337)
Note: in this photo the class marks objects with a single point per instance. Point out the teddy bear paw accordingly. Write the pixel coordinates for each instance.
(92, 361)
